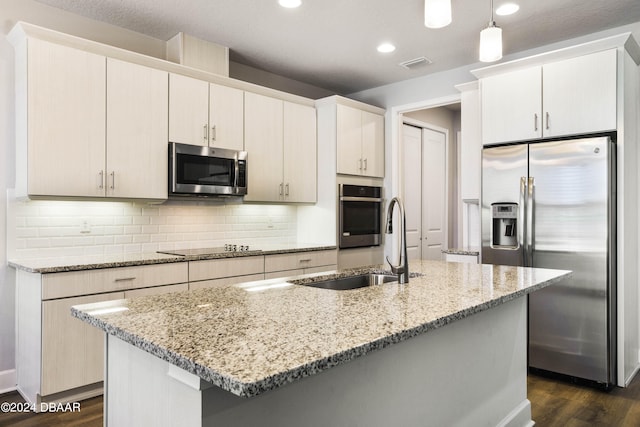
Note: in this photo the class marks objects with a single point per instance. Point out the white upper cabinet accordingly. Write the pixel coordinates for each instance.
(579, 94)
(568, 97)
(61, 106)
(512, 106)
(360, 142)
(300, 153)
(226, 117)
(372, 144)
(137, 115)
(207, 114)
(280, 140)
(95, 127)
(188, 110)
(263, 143)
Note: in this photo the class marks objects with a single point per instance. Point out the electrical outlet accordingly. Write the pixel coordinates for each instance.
(85, 227)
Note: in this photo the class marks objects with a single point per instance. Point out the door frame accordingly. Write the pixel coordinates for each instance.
(395, 180)
(424, 125)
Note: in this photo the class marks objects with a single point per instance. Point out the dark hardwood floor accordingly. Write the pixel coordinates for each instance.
(553, 404)
(561, 404)
(90, 415)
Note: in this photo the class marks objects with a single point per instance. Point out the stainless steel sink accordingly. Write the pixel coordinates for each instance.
(353, 282)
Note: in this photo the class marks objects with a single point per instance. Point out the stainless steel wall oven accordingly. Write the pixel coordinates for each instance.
(360, 216)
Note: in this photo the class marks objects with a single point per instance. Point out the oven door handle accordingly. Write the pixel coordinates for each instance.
(360, 199)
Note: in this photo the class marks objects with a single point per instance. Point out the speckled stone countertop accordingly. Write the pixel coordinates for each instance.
(462, 251)
(254, 337)
(92, 262)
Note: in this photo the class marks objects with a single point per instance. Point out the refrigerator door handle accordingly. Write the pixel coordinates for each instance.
(530, 222)
(522, 215)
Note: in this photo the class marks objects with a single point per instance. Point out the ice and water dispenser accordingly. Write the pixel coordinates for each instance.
(505, 225)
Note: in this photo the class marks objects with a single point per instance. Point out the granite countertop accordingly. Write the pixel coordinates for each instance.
(254, 337)
(462, 251)
(92, 262)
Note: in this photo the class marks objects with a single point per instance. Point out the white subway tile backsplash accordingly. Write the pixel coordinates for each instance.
(77, 228)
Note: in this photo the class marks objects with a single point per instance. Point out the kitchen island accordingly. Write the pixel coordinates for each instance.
(448, 348)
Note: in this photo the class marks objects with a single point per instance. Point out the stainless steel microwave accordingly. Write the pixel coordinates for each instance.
(206, 171)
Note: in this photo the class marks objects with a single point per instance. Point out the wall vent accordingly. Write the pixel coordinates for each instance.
(415, 63)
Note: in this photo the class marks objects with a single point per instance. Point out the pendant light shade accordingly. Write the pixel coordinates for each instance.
(491, 43)
(437, 13)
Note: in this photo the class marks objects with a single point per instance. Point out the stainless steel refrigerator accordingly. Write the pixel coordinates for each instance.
(552, 205)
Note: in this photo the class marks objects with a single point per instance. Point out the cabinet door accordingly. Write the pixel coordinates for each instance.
(72, 350)
(300, 153)
(372, 144)
(512, 106)
(226, 117)
(137, 118)
(580, 94)
(263, 141)
(65, 125)
(349, 140)
(188, 110)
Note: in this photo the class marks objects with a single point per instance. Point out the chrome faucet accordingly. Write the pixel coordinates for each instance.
(402, 269)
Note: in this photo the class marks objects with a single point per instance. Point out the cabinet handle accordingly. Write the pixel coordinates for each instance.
(286, 189)
(306, 260)
(360, 167)
(547, 115)
(113, 179)
(535, 122)
(125, 279)
(281, 188)
(213, 133)
(365, 164)
(206, 133)
(101, 183)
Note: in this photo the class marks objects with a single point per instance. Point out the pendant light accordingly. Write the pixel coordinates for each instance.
(437, 13)
(491, 41)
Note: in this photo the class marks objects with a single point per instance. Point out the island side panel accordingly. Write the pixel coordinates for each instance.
(468, 373)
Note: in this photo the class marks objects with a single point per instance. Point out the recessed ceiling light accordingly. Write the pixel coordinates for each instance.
(289, 3)
(386, 48)
(507, 9)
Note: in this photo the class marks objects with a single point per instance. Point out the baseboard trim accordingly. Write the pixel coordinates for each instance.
(520, 416)
(8, 381)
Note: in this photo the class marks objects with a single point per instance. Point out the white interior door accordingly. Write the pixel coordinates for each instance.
(412, 143)
(434, 194)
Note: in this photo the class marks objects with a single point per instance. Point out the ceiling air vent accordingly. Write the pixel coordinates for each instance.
(414, 63)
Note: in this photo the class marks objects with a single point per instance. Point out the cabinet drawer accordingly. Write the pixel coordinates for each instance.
(284, 273)
(61, 285)
(299, 260)
(156, 290)
(214, 283)
(227, 267)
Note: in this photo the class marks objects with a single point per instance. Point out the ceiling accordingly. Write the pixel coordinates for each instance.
(332, 43)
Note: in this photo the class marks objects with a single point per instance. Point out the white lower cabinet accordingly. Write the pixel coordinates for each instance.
(59, 357)
(72, 351)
